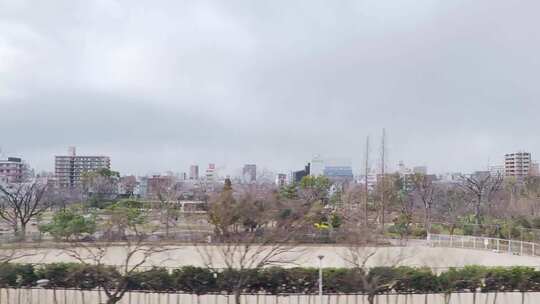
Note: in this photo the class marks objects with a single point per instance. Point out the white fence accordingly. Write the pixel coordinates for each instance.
(484, 243)
(60, 296)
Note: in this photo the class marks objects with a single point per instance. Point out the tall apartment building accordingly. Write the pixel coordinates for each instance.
(12, 170)
(517, 164)
(69, 169)
(249, 173)
(211, 173)
(194, 172)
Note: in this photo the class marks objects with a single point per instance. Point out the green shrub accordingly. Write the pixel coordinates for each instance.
(17, 275)
(419, 232)
(56, 273)
(302, 280)
(416, 280)
(274, 280)
(230, 280)
(382, 279)
(195, 280)
(82, 276)
(511, 279)
(343, 280)
(155, 279)
(468, 278)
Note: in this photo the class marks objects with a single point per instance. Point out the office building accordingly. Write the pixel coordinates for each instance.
(194, 172)
(211, 173)
(281, 179)
(338, 170)
(317, 166)
(249, 173)
(69, 168)
(517, 164)
(12, 170)
(296, 176)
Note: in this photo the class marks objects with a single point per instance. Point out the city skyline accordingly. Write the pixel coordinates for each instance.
(320, 165)
(164, 85)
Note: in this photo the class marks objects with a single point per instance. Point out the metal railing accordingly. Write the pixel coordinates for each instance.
(513, 247)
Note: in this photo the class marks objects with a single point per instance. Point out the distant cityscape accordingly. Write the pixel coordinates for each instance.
(70, 168)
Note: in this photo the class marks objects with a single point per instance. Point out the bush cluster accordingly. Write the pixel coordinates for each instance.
(276, 280)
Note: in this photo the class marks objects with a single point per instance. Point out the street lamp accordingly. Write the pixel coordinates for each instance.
(321, 257)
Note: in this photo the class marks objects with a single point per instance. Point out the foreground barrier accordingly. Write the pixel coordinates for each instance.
(70, 296)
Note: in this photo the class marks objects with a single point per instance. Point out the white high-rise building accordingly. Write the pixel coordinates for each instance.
(317, 166)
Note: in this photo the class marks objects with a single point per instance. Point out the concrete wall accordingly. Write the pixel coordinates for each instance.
(42, 296)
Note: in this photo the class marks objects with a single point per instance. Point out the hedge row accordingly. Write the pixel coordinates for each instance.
(276, 280)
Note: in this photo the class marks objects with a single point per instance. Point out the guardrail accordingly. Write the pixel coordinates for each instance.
(514, 247)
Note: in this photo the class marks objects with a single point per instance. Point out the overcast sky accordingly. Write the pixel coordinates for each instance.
(159, 85)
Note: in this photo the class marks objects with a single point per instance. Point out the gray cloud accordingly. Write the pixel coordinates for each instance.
(159, 85)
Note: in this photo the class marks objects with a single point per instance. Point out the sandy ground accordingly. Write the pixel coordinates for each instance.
(307, 256)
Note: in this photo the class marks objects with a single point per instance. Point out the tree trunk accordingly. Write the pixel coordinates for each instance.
(113, 300)
(427, 220)
(22, 233)
(477, 212)
(16, 230)
(167, 218)
(371, 298)
(237, 295)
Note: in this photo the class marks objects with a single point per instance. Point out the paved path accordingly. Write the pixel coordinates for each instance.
(335, 256)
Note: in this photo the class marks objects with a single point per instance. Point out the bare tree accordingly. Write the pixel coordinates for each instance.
(406, 212)
(531, 191)
(451, 204)
(13, 252)
(127, 222)
(383, 179)
(20, 203)
(168, 195)
(424, 191)
(482, 186)
(248, 236)
(366, 186)
(363, 251)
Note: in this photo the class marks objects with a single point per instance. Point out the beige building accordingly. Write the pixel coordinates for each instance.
(11, 170)
(69, 168)
(517, 164)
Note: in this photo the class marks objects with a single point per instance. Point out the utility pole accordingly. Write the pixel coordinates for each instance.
(366, 188)
(321, 257)
(383, 177)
